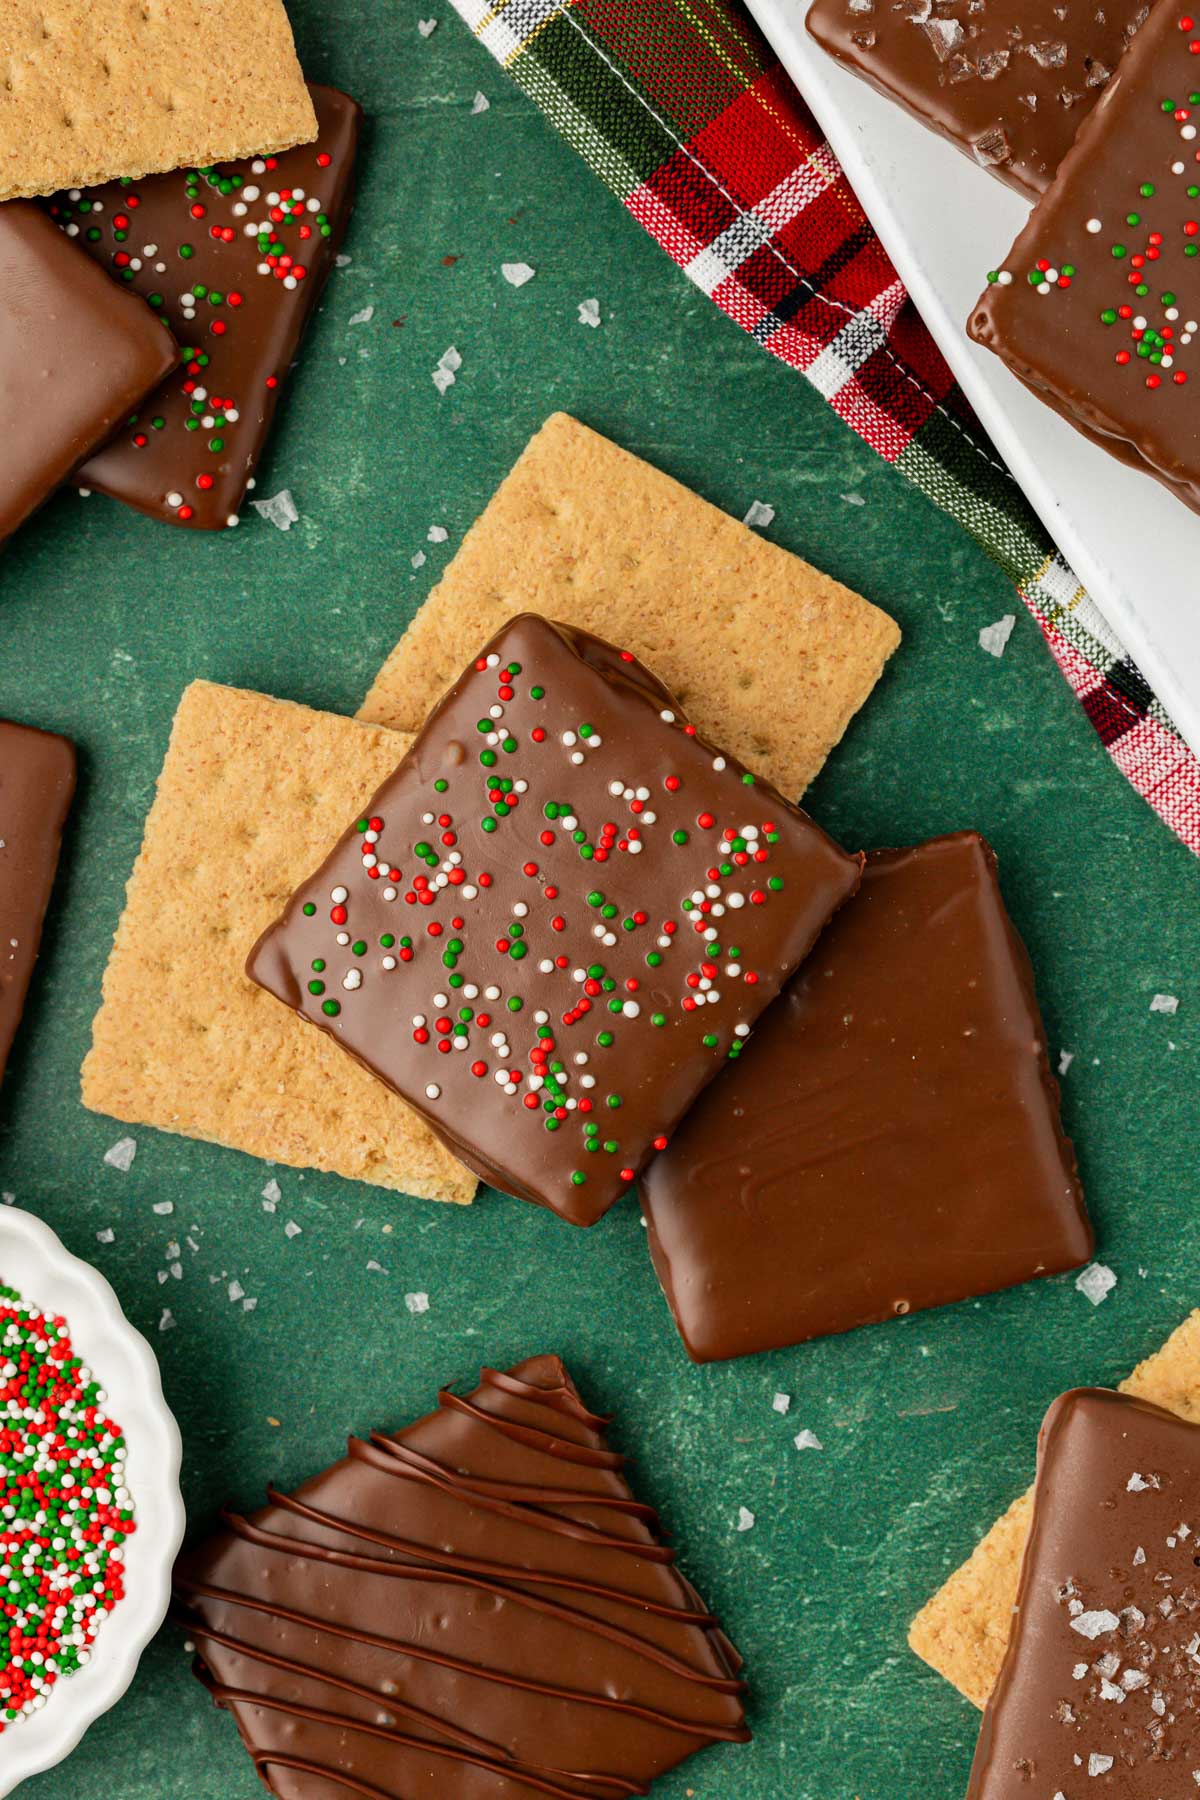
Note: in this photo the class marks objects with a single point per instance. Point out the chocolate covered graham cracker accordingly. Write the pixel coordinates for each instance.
(1009, 82)
(186, 1043)
(76, 357)
(963, 1630)
(888, 1140)
(476, 1606)
(1096, 307)
(558, 918)
(234, 259)
(1100, 1681)
(116, 88)
(37, 785)
(768, 655)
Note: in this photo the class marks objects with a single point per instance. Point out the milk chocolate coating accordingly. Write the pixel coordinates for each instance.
(1064, 337)
(192, 448)
(475, 1609)
(1099, 1694)
(890, 1139)
(76, 357)
(37, 785)
(1009, 82)
(601, 950)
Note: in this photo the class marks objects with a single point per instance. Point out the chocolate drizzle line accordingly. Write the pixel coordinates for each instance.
(634, 1675)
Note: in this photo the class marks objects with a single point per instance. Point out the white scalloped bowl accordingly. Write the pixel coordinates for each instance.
(45, 1274)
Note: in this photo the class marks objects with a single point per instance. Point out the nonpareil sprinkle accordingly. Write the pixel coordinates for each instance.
(65, 1511)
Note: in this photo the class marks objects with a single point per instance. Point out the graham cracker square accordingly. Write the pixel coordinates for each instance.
(183, 1040)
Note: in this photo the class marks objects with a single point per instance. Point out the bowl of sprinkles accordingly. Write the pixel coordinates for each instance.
(90, 1511)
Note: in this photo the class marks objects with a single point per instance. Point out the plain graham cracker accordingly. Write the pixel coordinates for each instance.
(769, 658)
(252, 793)
(963, 1631)
(92, 92)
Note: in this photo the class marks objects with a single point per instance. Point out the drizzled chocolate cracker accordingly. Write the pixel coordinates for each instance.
(477, 1607)
(557, 920)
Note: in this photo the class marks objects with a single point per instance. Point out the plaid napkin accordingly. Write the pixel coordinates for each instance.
(682, 108)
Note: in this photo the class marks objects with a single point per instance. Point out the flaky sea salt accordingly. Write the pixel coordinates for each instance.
(291, 1229)
(760, 514)
(781, 1402)
(480, 103)
(808, 1440)
(363, 317)
(448, 365)
(1094, 1624)
(417, 1303)
(278, 509)
(1096, 1282)
(994, 638)
(745, 1519)
(122, 1154)
(517, 273)
(1165, 1003)
(589, 313)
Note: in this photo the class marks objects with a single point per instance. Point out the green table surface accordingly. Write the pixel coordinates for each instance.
(928, 1424)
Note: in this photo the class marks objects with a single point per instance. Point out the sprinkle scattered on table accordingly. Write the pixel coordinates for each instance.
(994, 638)
(122, 1154)
(1096, 1282)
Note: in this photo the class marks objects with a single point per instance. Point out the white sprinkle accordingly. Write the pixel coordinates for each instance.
(352, 979)
(279, 510)
(745, 1519)
(1093, 226)
(781, 1402)
(759, 514)
(1095, 1624)
(589, 313)
(291, 1229)
(480, 103)
(433, 1091)
(122, 1154)
(518, 273)
(417, 1303)
(1096, 1282)
(808, 1440)
(426, 27)
(1165, 1003)
(994, 638)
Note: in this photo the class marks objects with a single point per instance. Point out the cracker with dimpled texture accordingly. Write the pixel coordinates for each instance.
(183, 1041)
(132, 87)
(962, 1632)
(769, 657)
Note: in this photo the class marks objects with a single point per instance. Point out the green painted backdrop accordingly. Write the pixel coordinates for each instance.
(928, 1424)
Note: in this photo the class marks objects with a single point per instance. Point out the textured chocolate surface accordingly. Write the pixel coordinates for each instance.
(234, 260)
(609, 907)
(76, 357)
(890, 1138)
(1009, 82)
(476, 1608)
(37, 785)
(1097, 305)
(1099, 1694)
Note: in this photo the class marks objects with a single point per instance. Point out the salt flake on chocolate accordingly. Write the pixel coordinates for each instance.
(1095, 1624)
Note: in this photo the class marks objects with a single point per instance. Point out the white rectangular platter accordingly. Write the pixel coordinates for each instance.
(945, 223)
